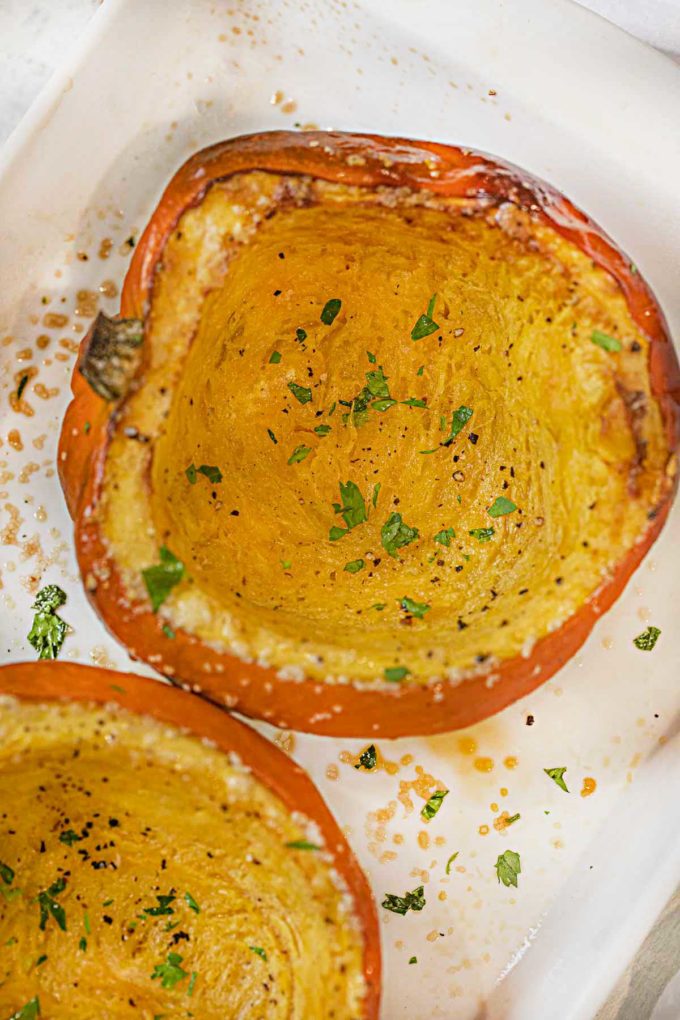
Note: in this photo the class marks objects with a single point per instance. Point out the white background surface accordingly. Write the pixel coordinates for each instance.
(36, 36)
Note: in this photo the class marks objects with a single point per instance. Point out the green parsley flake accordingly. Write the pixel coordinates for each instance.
(606, 342)
(6, 873)
(170, 973)
(49, 907)
(417, 609)
(299, 454)
(302, 844)
(371, 357)
(192, 984)
(414, 959)
(193, 905)
(191, 474)
(501, 506)
(383, 405)
(272, 437)
(413, 402)
(163, 907)
(557, 777)
(275, 358)
(330, 310)
(352, 510)
(69, 837)
(430, 809)
(168, 631)
(376, 492)
(212, 473)
(354, 566)
(450, 862)
(368, 759)
(402, 904)
(322, 430)
(29, 1011)
(483, 534)
(259, 950)
(394, 674)
(301, 393)
(82, 943)
(425, 325)
(420, 370)
(161, 578)
(444, 536)
(508, 867)
(646, 641)
(48, 631)
(512, 819)
(300, 335)
(395, 534)
(459, 419)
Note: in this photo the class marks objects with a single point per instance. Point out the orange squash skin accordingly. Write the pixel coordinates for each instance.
(59, 681)
(345, 709)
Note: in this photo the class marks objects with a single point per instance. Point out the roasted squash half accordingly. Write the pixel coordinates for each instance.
(384, 427)
(145, 871)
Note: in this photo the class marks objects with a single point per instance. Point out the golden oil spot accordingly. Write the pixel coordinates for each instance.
(290, 106)
(589, 786)
(108, 288)
(511, 762)
(14, 439)
(440, 840)
(54, 320)
(493, 806)
(484, 764)
(25, 354)
(87, 304)
(398, 838)
(432, 936)
(277, 97)
(406, 759)
(503, 791)
(423, 840)
(105, 248)
(42, 341)
(442, 895)
(483, 830)
(387, 855)
(466, 745)
(286, 741)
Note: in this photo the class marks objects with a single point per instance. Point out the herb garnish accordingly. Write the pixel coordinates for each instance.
(69, 837)
(272, 437)
(444, 536)
(322, 430)
(512, 819)
(394, 674)
(163, 906)
(23, 382)
(450, 862)
(161, 578)
(49, 907)
(170, 972)
(508, 867)
(299, 454)
(402, 904)
(368, 759)
(193, 905)
(376, 491)
(646, 641)
(414, 959)
(330, 310)
(459, 419)
(501, 506)
(301, 393)
(606, 342)
(417, 609)
(29, 1011)
(483, 534)
(212, 473)
(49, 630)
(352, 510)
(300, 335)
(192, 984)
(425, 325)
(557, 777)
(6, 873)
(354, 566)
(168, 631)
(430, 809)
(275, 358)
(259, 950)
(302, 844)
(395, 534)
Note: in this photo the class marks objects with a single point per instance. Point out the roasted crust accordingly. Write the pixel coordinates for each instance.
(371, 162)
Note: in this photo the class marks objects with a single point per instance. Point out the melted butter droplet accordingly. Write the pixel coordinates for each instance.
(589, 786)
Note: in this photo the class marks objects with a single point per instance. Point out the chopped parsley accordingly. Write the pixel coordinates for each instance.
(409, 901)
(212, 473)
(300, 335)
(352, 510)
(6, 873)
(417, 609)
(48, 631)
(371, 357)
(299, 454)
(272, 437)
(69, 837)
(376, 492)
(395, 534)
(557, 776)
(606, 342)
(170, 973)
(82, 943)
(420, 370)
(508, 867)
(413, 402)
(425, 325)
(368, 759)
(301, 393)
(512, 819)
(302, 844)
(430, 809)
(161, 578)
(394, 674)
(444, 536)
(168, 631)
(23, 382)
(330, 310)
(646, 641)
(163, 907)
(354, 566)
(459, 419)
(501, 506)
(259, 950)
(49, 907)
(483, 534)
(322, 430)
(414, 959)
(192, 984)
(29, 1011)
(450, 862)
(193, 905)
(275, 358)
